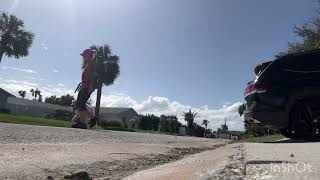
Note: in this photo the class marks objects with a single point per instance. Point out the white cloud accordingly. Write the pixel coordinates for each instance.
(13, 6)
(162, 105)
(22, 82)
(30, 77)
(55, 70)
(44, 46)
(13, 86)
(60, 85)
(19, 69)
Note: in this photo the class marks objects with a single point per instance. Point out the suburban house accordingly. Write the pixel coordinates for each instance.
(124, 117)
(3, 99)
(224, 133)
(116, 116)
(235, 135)
(18, 106)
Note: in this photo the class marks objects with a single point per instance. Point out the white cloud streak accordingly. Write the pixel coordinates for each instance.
(44, 46)
(55, 70)
(13, 6)
(30, 71)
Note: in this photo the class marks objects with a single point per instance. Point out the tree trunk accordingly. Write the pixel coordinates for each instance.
(98, 100)
(1, 54)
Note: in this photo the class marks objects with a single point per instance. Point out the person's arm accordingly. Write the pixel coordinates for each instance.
(76, 116)
(87, 76)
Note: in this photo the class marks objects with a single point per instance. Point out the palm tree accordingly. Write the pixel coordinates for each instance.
(14, 40)
(40, 98)
(108, 70)
(189, 117)
(22, 94)
(205, 123)
(37, 93)
(32, 92)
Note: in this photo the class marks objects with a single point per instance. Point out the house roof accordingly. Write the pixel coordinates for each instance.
(27, 102)
(115, 110)
(6, 93)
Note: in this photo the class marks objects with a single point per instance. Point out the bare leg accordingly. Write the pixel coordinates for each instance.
(84, 116)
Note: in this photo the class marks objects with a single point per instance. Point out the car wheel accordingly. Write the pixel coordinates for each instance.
(302, 125)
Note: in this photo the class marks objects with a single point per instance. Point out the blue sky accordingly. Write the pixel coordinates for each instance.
(175, 54)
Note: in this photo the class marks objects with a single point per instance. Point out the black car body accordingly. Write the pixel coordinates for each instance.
(285, 95)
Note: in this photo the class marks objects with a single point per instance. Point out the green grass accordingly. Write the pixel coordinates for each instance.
(263, 139)
(7, 118)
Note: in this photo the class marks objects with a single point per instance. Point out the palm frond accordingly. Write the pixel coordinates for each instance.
(15, 41)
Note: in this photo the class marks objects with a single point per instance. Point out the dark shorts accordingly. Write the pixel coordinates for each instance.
(83, 97)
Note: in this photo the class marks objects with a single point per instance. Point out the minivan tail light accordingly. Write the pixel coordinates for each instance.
(257, 88)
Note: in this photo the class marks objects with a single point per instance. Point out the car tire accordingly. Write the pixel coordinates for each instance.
(301, 123)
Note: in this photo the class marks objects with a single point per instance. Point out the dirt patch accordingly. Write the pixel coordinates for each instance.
(118, 169)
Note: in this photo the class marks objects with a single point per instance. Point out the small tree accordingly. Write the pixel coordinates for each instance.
(149, 122)
(14, 40)
(40, 98)
(189, 117)
(309, 34)
(205, 123)
(37, 93)
(65, 100)
(52, 100)
(164, 124)
(22, 94)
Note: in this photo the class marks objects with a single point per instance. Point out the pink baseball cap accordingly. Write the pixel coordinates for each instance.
(88, 53)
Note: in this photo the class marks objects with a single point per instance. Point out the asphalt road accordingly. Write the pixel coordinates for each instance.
(31, 152)
(16, 134)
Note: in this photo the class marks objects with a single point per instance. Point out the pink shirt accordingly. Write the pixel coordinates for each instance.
(88, 76)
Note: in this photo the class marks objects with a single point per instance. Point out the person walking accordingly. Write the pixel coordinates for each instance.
(76, 117)
(86, 87)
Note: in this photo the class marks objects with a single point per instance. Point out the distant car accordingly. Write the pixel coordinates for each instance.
(285, 95)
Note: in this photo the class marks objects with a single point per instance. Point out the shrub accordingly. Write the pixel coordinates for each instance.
(5, 111)
(106, 124)
(60, 114)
